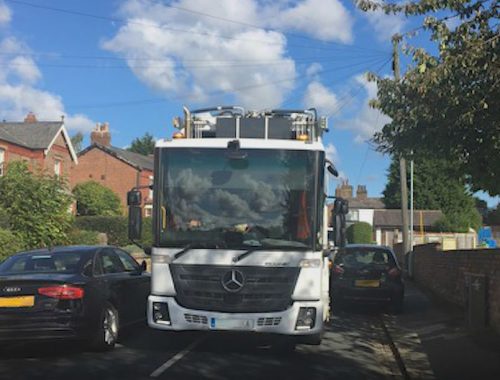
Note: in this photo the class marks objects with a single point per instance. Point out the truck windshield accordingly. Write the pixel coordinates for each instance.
(266, 198)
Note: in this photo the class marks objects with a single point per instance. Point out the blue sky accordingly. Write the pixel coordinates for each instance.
(134, 63)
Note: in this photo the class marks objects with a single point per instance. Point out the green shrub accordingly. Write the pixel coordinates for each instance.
(115, 227)
(359, 233)
(83, 237)
(92, 198)
(9, 244)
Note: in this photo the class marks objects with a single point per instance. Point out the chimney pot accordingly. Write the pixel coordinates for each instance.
(30, 118)
(101, 135)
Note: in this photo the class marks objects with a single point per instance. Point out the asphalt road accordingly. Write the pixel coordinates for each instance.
(354, 347)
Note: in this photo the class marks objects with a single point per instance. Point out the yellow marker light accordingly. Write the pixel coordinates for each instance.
(303, 137)
(178, 135)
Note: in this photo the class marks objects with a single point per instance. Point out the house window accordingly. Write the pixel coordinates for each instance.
(352, 216)
(151, 190)
(57, 167)
(148, 211)
(2, 159)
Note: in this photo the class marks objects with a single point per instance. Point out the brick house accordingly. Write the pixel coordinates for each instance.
(115, 168)
(44, 145)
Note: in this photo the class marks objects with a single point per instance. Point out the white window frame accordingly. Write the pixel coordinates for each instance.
(57, 166)
(148, 211)
(151, 179)
(2, 161)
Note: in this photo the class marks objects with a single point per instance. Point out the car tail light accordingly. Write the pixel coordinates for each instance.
(394, 273)
(62, 292)
(337, 269)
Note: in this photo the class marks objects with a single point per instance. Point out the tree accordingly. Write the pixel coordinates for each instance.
(37, 206)
(77, 141)
(92, 198)
(438, 185)
(360, 233)
(144, 145)
(448, 102)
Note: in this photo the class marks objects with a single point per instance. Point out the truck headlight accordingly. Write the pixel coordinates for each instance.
(306, 319)
(310, 263)
(161, 259)
(161, 313)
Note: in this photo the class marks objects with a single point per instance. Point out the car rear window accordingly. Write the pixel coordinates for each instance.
(63, 262)
(354, 258)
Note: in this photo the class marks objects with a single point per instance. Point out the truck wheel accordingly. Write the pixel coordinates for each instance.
(106, 335)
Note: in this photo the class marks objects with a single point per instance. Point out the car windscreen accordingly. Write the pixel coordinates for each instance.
(63, 262)
(363, 257)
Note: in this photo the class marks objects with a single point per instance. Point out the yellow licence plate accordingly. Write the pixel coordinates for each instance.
(23, 301)
(367, 283)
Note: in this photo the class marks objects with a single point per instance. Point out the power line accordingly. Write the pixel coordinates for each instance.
(175, 64)
(164, 27)
(181, 97)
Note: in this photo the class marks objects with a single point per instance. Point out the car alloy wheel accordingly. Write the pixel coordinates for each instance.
(110, 326)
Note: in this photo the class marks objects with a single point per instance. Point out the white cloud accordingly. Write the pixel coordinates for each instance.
(321, 98)
(327, 20)
(187, 47)
(314, 69)
(5, 14)
(332, 153)
(385, 25)
(368, 120)
(18, 94)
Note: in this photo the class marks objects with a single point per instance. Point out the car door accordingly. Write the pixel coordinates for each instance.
(137, 285)
(114, 278)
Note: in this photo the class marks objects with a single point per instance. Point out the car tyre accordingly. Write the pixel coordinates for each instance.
(106, 335)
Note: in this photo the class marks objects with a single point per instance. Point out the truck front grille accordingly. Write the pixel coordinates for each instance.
(264, 289)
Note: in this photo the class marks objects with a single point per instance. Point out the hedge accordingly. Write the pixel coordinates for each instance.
(9, 244)
(115, 227)
(83, 237)
(360, 233)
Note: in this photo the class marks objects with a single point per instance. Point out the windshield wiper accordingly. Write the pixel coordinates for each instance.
(268, 248)
(248, 252)
(198, 244)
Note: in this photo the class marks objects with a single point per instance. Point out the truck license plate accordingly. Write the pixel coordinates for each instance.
(24, 301)
(231, 324)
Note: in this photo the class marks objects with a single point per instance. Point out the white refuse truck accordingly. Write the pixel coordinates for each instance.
(240, 224)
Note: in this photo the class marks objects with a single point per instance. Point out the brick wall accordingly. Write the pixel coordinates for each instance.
(60, 151)
(444, 274)
(115, 174)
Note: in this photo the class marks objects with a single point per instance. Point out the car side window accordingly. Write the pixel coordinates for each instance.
(128, 262)
(110, 262)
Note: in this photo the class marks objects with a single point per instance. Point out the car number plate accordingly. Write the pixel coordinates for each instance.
(23, 301)
(367, 283)
(231, 324)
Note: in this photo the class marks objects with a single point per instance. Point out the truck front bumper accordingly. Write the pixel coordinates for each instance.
(283, 322)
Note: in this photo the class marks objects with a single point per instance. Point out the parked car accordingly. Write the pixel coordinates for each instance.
(367, 273)
(82, 292)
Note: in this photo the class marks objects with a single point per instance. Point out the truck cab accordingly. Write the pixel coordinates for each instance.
(240, 225)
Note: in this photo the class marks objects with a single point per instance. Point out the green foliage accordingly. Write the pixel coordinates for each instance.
(437, 186)
(9, 244)
(360, 233)
(83, 237)
(144, 145)
(449, 99)
(77, 141)
(115, 227)
(93, 199)
(37, 206)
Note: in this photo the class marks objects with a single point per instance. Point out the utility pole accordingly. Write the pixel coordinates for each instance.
(402, 161)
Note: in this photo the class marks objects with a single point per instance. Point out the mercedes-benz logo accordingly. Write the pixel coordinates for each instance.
(233, 281)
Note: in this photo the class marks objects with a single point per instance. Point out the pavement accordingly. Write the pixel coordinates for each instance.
(427, 341)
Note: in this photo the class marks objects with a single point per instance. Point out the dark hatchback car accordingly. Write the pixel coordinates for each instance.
(81, 292)
(367, 273)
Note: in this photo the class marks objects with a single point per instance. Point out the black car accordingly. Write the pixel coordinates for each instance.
(367, 273)
(82, 292)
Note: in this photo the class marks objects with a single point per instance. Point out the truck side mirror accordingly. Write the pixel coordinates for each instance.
(332, 170)
(134, 223)
(339, 212)
(134, 198)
